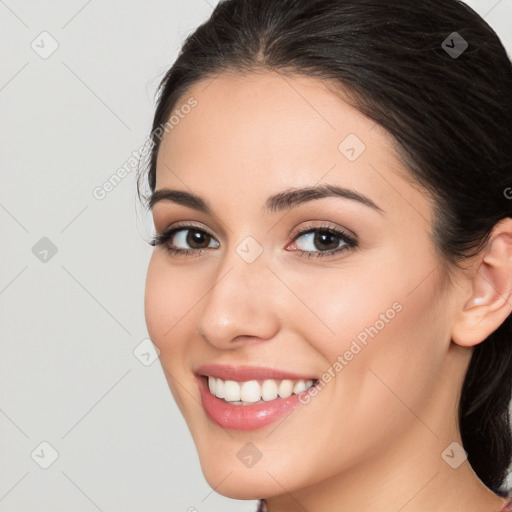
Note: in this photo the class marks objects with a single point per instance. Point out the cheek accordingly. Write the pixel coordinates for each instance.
(156, 295)
(379, 327)
(168, 303)
(169, 299)
(387, 326)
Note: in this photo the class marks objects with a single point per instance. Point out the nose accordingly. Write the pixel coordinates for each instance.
(239, 305)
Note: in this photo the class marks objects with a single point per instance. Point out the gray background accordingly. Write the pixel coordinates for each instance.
(70, 321)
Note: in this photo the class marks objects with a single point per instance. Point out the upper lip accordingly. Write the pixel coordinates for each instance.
(242, 373)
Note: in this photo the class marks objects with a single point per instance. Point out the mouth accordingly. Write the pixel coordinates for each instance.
(257, 398)
(255, 392)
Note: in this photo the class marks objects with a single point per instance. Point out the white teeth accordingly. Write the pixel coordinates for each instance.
(299, 387)
(269, 390)
(219, 387)
(212, 381)
(252, 391)
(231, 391)
(285, 388)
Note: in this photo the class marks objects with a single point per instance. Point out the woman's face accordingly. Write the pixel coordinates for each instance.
(371, 322)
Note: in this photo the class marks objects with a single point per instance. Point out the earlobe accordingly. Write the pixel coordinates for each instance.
(490, 302)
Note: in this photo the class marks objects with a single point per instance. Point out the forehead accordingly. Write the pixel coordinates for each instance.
(265, 113)
(265, 131)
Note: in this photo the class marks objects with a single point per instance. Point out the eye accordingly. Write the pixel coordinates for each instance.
(185, 240)
(177, 236)
(327, 239)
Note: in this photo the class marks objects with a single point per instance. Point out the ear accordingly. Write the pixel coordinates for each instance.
(490, 297)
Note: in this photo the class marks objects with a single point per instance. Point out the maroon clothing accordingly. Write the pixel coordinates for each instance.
(507, 507)
(262, 507)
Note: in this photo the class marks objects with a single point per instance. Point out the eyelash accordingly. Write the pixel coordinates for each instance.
(165, 236)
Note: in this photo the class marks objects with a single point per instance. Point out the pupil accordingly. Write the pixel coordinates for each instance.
(323, 239)
(196, 237)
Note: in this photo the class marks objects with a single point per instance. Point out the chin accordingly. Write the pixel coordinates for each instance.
(241, 484)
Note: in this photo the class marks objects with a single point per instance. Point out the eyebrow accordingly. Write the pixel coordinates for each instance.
(284, 200)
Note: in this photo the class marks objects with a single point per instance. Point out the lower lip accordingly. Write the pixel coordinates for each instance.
(245, 417)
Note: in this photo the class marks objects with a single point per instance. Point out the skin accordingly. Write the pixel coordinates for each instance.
(372, 439)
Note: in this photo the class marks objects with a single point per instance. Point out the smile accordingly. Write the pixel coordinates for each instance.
(248, 405)
(256, 391)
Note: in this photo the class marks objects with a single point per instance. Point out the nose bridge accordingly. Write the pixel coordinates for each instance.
(238, 302)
